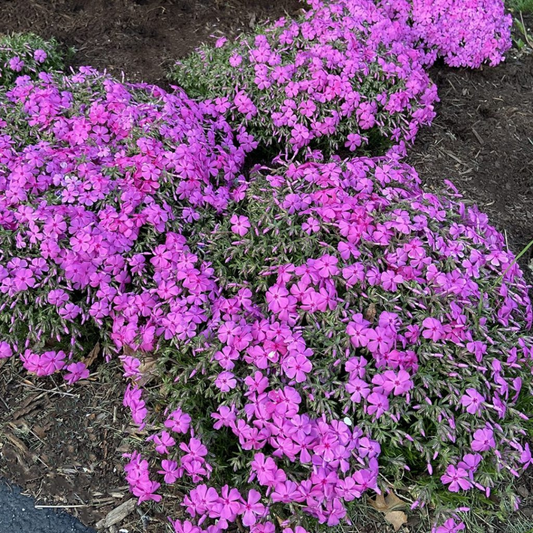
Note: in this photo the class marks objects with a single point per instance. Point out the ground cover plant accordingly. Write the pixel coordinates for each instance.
(28, 55)
(341, 76)
(316, 310)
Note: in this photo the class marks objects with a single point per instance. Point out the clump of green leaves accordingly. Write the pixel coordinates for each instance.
(27, 54)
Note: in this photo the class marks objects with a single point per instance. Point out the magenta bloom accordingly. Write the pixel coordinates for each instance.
(178, 421)
(170, 470)
(378, 404)
(397, 383)
(163, 442)
(16, 64)
(432, 329)
(457, 478)
(226, 381)
(327, 266)
(184, 527)
(76, 371)
(450, 526)
(472, 400)
(252, 508)
(145, 490)
(483, 440)
(5, 350)
(296, 367)
(240, 225)
(40, 55)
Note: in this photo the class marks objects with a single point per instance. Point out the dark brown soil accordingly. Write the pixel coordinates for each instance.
(140, 38)
(482, 141)
(63, 444)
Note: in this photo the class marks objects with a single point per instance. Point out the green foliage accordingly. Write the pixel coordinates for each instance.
(27, 54)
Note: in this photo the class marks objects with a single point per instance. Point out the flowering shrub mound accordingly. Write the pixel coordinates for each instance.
(28, 55)
(97, 181)
(363, 327)
(341, 76)
(466, 33)
(321, 329)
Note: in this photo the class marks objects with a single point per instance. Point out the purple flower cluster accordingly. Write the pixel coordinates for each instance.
(28, 55)
(317, 324)
(466, 33)
(97, 180)
(376, 317)
(344, 76)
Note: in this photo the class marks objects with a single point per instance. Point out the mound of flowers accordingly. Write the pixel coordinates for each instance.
(320, 329)
(364, 327)
(342, 76)
(28, 55)
(466, 33)
(94, 175)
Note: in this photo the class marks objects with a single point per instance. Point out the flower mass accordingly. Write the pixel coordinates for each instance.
(323, 328)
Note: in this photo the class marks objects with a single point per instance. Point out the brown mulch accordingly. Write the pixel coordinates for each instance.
(63, 444)
(482, 141)
(141, 38)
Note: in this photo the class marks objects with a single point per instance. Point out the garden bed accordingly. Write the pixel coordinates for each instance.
(482, 140)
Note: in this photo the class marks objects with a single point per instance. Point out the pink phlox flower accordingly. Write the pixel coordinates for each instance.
(327, 266)
(16, 64)
(397, 383)
(5, 350)
(378, 404)
(358, 389)
(163, 442)
(380, 340)
(470, 462)
(356, 366)
(286, 492)
(170, 471)
(226, 381)
(225, 417)
(203, 499)
(75, 372)
(473, 401)
(296, 367)
(483, 440)
(457, 478)
(131, 366)
(184, 527)
(226, 356)
(432, 329)
(450, 526)
(240, 225)
(145, 489)
(364, 480)
(358, 330)
(277, 298)
(194, 450)
(252, 508)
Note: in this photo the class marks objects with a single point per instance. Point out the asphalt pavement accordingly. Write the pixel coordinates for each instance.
(18, 515)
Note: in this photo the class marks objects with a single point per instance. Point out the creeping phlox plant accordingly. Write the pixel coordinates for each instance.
(96, 181)
(466, 33)
(342, 76)
(323, 328)
(364, 327)
(28, 55)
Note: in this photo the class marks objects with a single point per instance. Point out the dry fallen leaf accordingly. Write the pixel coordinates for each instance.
(396, 518)
(370, 313)
(147, 369)
(93, 354)
(388, 505)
